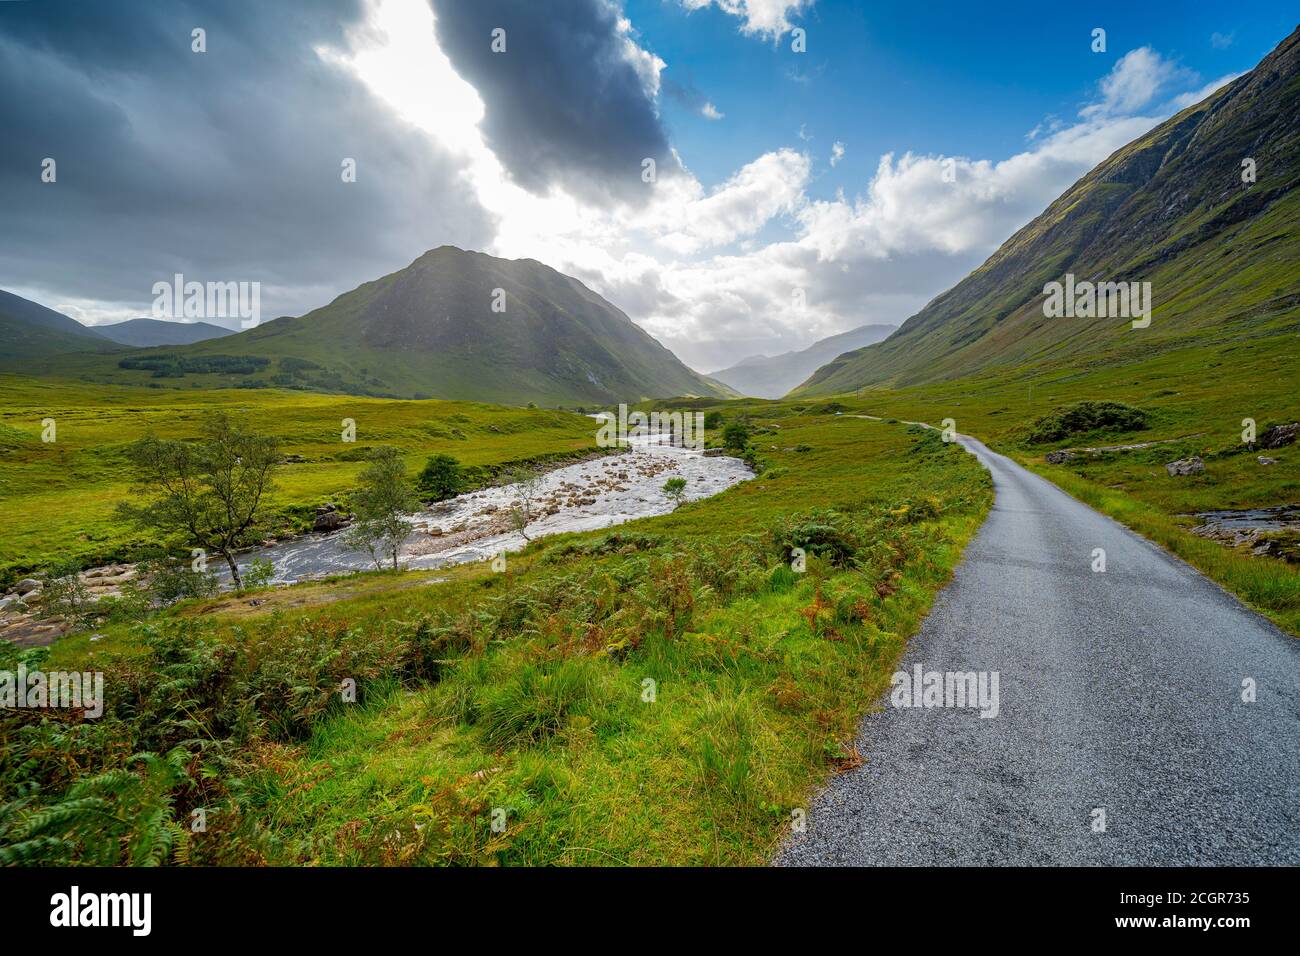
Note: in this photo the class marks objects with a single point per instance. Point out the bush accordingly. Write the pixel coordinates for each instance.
(736, 435)
(713, 419)
(441, 478)
(1083, 417)
(259, 574)
(174, 578)
(826, 533)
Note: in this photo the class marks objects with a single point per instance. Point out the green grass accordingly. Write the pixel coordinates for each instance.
(59, 497)
(526, 692)
(1195, 397)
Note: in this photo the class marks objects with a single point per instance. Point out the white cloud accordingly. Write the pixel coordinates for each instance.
(1184, 100)
(711, 272)
(1134, 82)
(1221, 41)
(760, 17)
(709, 111)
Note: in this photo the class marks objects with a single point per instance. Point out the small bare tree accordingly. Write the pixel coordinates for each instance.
(527, 484)
(209, 491)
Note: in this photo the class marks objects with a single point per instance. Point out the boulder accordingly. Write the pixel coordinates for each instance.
(330, 521)
(1186, 466)
(1279, 435)
(1266, 461)
(27, 585)
(1058, 457)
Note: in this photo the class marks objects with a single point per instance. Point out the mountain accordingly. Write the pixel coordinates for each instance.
(143, 333)
(1170, 208)
(30, 330)
(430, 330)
(765, 376)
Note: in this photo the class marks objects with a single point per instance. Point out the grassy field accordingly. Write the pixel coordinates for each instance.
(1196, 399)
(58, 497)
(668, 692)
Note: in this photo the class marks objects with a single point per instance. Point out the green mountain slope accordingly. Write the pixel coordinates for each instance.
(771, 376)
(1170, 208)
(29, 330)
(430, 331)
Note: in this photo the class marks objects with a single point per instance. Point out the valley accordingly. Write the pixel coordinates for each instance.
(987, 539)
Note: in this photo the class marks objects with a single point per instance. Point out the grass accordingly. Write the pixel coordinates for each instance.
(666, 692)
(59, 496)
(1195, 399)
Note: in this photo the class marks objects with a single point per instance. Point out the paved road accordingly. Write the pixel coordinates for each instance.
(1118, 691)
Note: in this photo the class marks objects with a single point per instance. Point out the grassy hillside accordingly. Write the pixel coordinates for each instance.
(429, 331)
(30, 331)
(59, 497)
(1196, 399)
(25, 342)
(1171, 209)
(524, 696)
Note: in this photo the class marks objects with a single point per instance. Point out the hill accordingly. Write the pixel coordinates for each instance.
(143, 333)
(764, 376)
(1171, 209)
(31, 331)
(452, 325)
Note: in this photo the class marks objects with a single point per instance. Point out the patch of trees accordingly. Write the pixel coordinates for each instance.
(176, 366)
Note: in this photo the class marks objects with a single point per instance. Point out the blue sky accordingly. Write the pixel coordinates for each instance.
(797, 195)
(921, 76)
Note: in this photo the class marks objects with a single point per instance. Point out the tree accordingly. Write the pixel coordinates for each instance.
(736, 434)
(713, 420)
(528, 488)
(441, 478)
(675, 490)
(209, 490)
(381, 505)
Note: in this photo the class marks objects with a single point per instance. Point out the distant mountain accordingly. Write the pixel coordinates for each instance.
(29, 330)
(1172, 208)
(143, 333)
(772, 376)
(454, 325)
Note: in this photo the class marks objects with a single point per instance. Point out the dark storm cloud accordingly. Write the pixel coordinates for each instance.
(564, 103)
(223, 165)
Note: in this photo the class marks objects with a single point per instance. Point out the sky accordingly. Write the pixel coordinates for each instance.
(818, 165)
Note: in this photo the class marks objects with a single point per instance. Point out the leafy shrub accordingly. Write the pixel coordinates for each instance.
(1082, 417)
(174, 578)
(823, 532)
(440, 478)
(259, 573)
(66, 596)
(736, 434)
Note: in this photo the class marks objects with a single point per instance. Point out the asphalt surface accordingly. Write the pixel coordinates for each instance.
(1118, 691)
